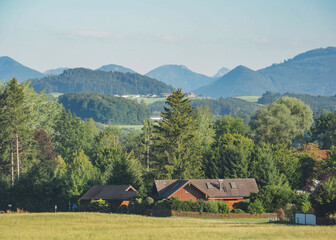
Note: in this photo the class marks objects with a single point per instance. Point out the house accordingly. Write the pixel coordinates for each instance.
(115, 195)
(228, 190)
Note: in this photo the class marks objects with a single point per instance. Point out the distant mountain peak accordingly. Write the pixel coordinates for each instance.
(221, 72)
(115, 68)
(9, 68)
(55, 71)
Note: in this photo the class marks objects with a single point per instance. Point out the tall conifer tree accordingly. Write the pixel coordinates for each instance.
(175, 144)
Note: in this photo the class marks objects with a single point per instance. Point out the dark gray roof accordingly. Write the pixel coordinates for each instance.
(109, 192)
(230, 187)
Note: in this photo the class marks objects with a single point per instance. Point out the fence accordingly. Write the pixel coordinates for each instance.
(305, 218)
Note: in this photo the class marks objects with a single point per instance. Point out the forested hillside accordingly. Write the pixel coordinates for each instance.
(84, 80)
(316, 103)
(106, 109)
(219, 107)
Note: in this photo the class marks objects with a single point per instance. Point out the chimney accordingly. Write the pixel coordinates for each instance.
(220, 184)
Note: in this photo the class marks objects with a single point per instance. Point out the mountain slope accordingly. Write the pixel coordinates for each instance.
(9, 68)
(312, 72)
(241, 81)
(85, 80)
(180, 76)
(55, 71)
(115, 68)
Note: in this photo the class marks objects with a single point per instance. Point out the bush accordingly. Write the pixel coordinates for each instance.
(149, 202)
(98, 206)
(199, 206)
(137, 207)
(243, 205)
(211, 206)
(223, 207)
(237, 210)
(183, 206)
(162, 204)
(256, 207)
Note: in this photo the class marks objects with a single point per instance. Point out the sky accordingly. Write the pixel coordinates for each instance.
(144, 34)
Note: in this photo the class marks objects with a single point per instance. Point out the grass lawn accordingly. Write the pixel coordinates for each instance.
(253, 99)
(113, 226)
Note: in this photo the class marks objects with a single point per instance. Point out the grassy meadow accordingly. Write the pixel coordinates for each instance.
(253, 99)
(114, 226)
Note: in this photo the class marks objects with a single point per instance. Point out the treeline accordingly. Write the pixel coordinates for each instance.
(219, 107)
(316, 103)
(86, 80)
(49, 157)
(106, 109)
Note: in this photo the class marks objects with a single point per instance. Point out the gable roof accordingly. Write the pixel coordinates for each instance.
(231, 188)
(110, 192)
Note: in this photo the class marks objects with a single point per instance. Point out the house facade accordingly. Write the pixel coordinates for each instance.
(230, 191)
(115, 195)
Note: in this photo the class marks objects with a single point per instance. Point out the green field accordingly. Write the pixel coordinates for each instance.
(135, 127)
(253, 99)
(55, 94)
(113, 226)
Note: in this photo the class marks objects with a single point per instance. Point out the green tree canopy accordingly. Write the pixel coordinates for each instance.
(282, 121)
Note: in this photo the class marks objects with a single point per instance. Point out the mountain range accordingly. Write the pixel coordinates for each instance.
(179, 76)
(312, 72)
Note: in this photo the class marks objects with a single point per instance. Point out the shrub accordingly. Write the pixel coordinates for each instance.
(199, 206)
(98, 206)
(137, 207)
(223, 207)
(162, 204)
(237, 210)
(149, 202)
(183, 206)
(211, 206)
(256, 207)
(243, 205)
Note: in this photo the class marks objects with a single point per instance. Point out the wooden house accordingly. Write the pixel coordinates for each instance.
(228, 190)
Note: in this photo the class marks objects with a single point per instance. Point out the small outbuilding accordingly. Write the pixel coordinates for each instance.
(115, 195)
(228, 190)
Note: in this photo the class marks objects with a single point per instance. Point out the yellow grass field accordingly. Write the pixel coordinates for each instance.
(112, 226)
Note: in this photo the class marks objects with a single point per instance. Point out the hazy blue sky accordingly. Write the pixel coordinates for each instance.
(142, 35)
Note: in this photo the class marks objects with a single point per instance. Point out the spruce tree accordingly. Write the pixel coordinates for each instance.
(175, 144)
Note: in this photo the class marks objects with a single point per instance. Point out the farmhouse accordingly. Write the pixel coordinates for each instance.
(115, 195)
(229, 190)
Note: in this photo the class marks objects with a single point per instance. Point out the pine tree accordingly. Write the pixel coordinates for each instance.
(13, 118)
(175, 143)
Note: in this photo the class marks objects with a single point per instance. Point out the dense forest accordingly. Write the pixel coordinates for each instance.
(316, 103)
(106, 109)
(50, 157)
(86, 80)
(219, 107)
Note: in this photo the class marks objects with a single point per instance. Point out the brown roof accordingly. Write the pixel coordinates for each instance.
(110, 192)
(230, 187)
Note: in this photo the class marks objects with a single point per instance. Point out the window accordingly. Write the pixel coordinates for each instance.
(233, 185)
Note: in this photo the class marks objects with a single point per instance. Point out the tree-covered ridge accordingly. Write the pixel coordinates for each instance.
(316, 103)
(106, 109)
(84, 80)
(219, 107)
